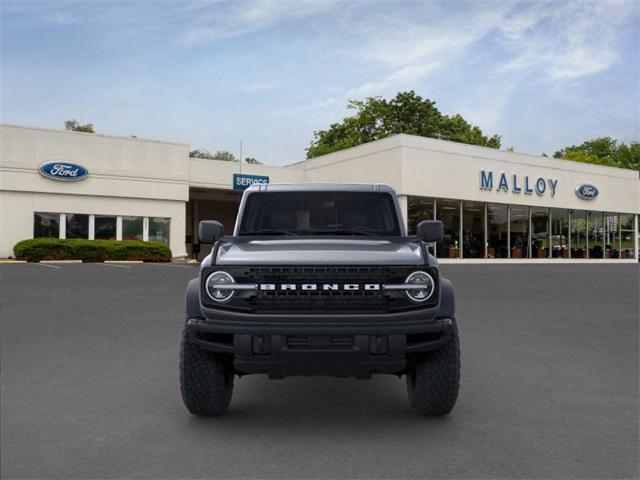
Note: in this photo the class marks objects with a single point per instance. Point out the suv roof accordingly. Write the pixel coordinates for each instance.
(321, 187)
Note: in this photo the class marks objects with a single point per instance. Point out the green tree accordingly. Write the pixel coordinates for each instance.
(219, 155)
(604, 151)
(377, 118)
(225, 155)
(252, 161)
(75, 126)
(201, 153)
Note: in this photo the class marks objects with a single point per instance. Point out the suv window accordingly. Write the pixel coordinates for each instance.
(319, 213)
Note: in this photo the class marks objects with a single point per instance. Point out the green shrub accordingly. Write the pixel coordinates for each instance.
(37, 249)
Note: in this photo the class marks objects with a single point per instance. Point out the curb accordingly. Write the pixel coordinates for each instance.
(8, 262)
(60, 261)
(123, 261)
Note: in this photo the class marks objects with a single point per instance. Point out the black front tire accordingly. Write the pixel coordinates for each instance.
(206, 383)
(434, 381)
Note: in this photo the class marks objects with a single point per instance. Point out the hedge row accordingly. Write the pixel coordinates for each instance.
(37, 249)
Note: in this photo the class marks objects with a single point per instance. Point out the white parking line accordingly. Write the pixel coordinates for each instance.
(46, 265)
(160, 264)
(112, 265)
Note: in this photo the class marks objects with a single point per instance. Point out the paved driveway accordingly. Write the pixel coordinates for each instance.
(90, 385)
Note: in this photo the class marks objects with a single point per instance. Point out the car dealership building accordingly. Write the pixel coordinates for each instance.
(496, 206)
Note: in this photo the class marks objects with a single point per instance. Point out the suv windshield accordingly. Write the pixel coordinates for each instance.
(319, 213)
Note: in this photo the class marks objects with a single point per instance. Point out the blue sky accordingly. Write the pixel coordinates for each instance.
(542, 74)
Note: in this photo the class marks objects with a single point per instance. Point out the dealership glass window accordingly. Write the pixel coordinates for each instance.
(132, 228)
(105, 227)
(519, 231)
(448, 212)
(497, 230)
(159, 229)
(626, 236)
(472, 230)
(539, 232)
(578, 234)
(559, 233)
(418, 209)
(46, 225)
(611, 235)
(595, 237)
(77, 226)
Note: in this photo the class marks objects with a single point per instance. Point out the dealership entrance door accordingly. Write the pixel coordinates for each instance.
(209, 204)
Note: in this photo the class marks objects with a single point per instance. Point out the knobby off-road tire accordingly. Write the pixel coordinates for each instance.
(434, 383)
(205, 384)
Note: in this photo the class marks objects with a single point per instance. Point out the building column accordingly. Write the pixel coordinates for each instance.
(118, 227)
(403, 200)
(63, 225)
(460, 231)
(145, 229)
(195, 239)
(486, 233)
(509, 230)
(635, 237)
(549, 236)
(92, 227)
(569, 230)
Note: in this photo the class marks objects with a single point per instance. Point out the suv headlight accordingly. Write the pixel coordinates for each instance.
(422, 286)
(215, 286)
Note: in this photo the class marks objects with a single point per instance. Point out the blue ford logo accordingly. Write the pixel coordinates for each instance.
(586, 191)
(64, 171)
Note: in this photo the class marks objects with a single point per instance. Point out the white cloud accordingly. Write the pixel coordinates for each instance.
(405, 77)
(251, 16)
(564, 41)
(258, 87)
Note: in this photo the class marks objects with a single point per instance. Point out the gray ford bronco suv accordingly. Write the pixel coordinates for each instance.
(319, 279)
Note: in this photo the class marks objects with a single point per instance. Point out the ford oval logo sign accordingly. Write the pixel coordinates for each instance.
(64, 171)
(586, 191)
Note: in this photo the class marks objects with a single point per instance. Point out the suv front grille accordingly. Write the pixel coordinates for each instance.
(319, 301)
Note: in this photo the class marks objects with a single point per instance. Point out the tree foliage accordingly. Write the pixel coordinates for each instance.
(74, 126)
(219, 155)
(604, 151)
(225, 156)
(377, 118)
(201, 153)
(252, 161)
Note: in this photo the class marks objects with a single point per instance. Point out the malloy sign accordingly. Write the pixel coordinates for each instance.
(515, 183)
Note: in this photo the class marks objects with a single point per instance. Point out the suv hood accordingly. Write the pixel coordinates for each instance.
(325, 251)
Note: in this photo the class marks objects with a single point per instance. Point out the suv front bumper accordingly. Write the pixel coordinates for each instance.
(346, 348)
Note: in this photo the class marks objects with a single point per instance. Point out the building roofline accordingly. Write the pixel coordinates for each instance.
(117, 137)
(428, 143)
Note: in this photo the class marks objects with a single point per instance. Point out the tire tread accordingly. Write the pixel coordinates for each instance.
(206, 386)
(433, 386)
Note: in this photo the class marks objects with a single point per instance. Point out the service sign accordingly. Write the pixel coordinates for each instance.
(586, 191)
(63, 171)
(242, 181)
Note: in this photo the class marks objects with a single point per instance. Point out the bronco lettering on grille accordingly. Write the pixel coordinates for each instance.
(326, 287)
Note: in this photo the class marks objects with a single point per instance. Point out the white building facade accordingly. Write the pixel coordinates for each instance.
(496, 206)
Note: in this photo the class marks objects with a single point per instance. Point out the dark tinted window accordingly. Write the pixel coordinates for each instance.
(105, 228)
(318, 213)
(46, 225)
(132, 228)
(77, 226)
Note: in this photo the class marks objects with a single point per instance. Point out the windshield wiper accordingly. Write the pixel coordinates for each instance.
(346, 231)
(269, 231)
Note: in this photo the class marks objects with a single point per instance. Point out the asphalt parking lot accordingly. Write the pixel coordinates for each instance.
(89, 381)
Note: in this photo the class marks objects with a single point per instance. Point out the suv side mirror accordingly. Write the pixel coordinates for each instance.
(210, 231)
(430, 231)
